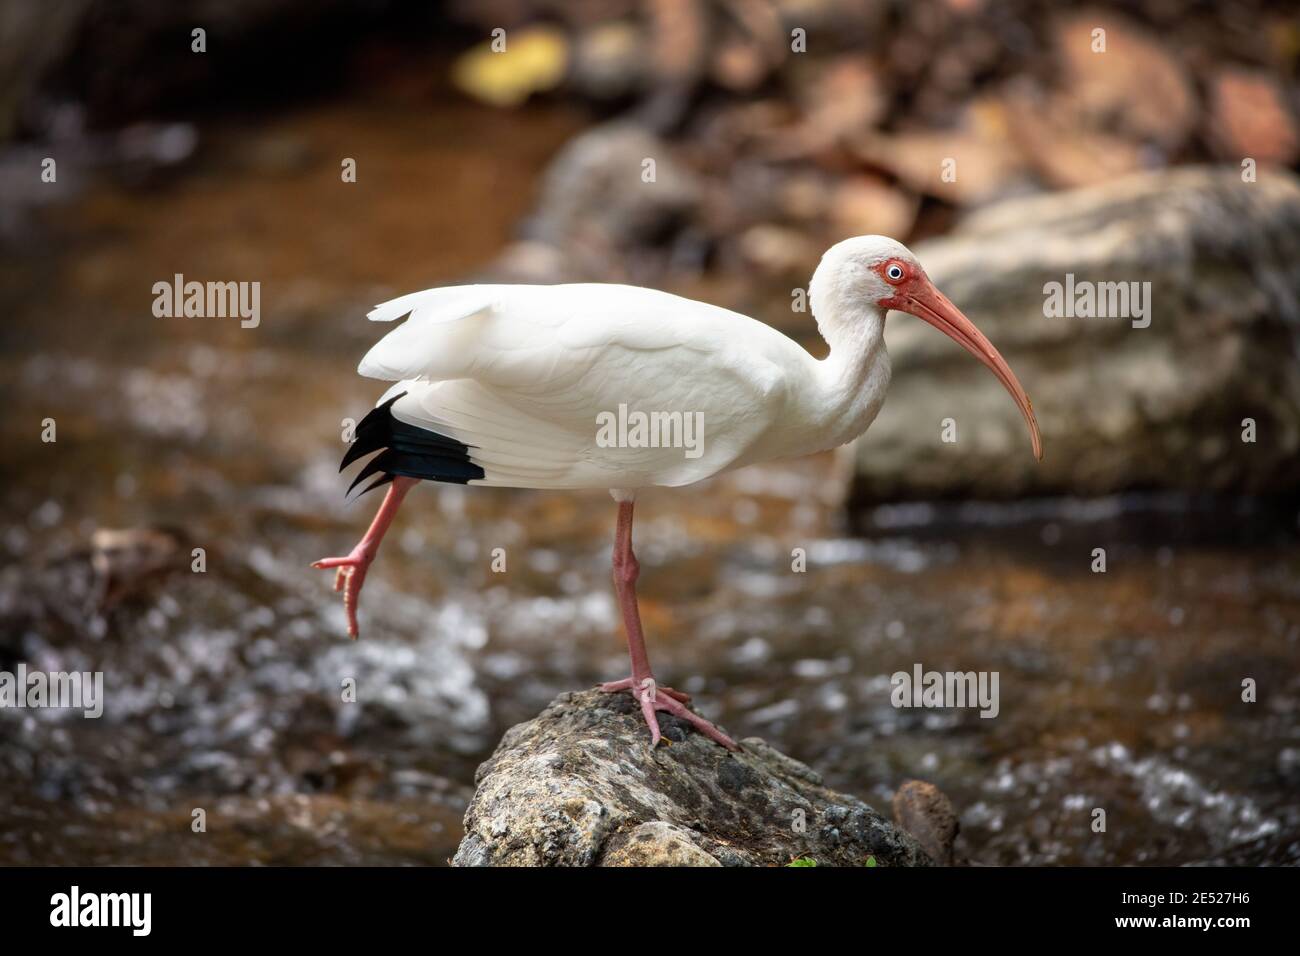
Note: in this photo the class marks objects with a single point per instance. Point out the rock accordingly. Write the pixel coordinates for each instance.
(123, 559)
(1120, 406)
(657, 844)
(579, 786)
(922, 810)
(612, 195)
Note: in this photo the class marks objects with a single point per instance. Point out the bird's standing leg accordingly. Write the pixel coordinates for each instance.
(642, 682)
(351, 572)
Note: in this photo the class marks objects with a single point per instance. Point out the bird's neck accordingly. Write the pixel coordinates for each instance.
(852, 379)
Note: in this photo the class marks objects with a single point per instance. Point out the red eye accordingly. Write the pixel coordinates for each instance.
(894, 272)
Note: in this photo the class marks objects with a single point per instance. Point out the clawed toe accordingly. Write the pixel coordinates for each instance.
(677, 709)
(654, 698)
(612, 686)
(349, 575)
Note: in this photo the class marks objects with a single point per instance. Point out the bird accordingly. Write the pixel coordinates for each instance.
(623, 388)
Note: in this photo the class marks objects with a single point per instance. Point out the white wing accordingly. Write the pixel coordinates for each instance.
(531, 379)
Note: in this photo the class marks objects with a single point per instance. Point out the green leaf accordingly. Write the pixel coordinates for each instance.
(803, 861)
(871, 861)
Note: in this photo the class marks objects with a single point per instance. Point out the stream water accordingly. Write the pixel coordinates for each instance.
(1119, 691)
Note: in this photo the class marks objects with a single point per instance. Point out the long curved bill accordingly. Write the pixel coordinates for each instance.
(933, 306)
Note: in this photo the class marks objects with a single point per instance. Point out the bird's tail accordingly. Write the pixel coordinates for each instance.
(406, 450)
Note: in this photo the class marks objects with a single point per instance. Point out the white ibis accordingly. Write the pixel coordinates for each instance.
(622, 388)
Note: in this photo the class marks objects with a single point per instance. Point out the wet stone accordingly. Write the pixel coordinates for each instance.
(688, 803)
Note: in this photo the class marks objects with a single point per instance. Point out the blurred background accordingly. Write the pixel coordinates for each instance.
(1167, 156)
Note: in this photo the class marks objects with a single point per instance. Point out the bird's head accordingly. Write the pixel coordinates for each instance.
(874, 274)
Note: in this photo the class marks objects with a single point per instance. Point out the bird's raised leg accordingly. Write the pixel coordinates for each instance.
(642, 684)
(351, 573)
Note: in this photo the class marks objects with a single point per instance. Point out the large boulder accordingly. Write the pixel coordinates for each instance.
(1122, 403)
(579, 785)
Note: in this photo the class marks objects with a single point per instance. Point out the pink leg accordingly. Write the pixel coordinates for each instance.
(642, 684)
(351, 572)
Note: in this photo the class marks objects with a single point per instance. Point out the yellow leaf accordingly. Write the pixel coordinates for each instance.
(534, 59)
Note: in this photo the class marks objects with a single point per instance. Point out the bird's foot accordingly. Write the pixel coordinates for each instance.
(350, 575)
(611, 686)
(654, 698)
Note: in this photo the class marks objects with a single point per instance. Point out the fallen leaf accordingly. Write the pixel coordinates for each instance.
(1134, 87)
(1248, 117)
(534, 59)
(865, 205)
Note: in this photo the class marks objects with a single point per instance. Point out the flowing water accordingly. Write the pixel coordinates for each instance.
(1119, 691)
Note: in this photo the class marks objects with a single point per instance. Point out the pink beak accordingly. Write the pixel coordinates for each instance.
(930, 304)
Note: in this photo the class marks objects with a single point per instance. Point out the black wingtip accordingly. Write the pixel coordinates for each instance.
(371, 434)
(378, 482)
(406, 450)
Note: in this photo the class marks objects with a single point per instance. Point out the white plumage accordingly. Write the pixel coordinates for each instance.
(521, 373)
(516, 385)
